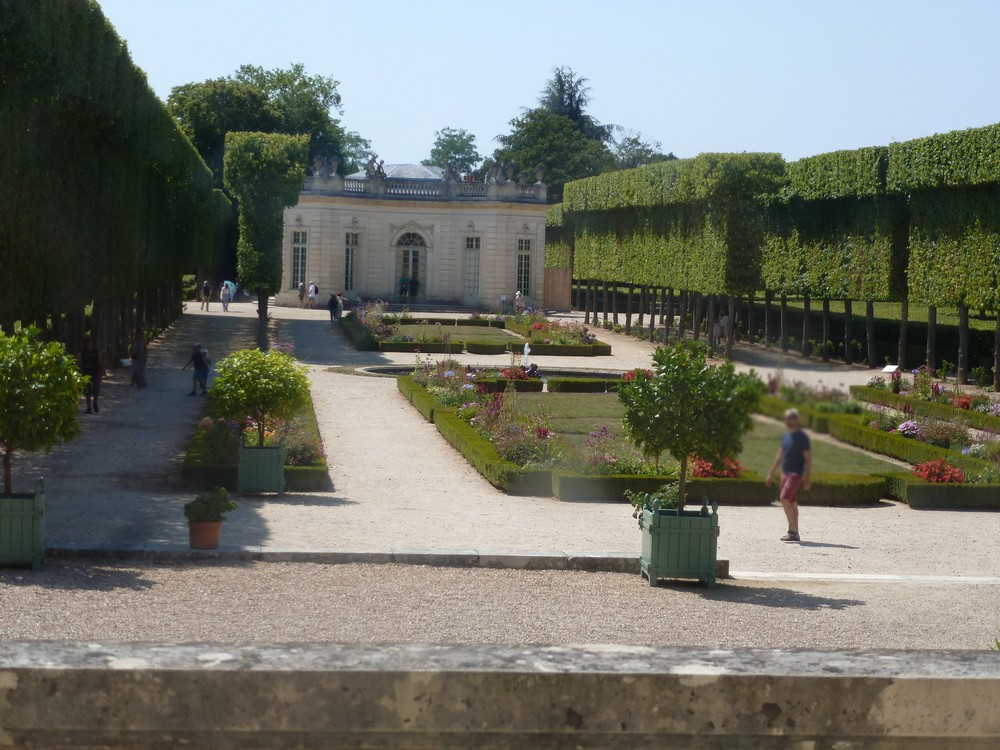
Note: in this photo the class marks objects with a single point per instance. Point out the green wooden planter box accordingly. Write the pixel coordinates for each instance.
(22, 528)
(679, 545)
(260, 469)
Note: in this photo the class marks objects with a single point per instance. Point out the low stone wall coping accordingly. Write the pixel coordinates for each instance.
(149, 695)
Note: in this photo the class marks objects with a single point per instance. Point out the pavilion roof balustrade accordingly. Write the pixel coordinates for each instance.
(414, 189)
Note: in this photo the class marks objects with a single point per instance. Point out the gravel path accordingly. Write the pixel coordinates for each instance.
(275, 602)
(398, 485)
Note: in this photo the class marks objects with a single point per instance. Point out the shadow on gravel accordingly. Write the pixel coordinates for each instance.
(824, 544)
(779, 598)
(302, 501)
(318, 343)
(77, 577)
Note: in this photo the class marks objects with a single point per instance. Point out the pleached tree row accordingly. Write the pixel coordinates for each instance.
(915, 222)
(104, 203)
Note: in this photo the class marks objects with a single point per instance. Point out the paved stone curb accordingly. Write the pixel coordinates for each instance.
(554, 560)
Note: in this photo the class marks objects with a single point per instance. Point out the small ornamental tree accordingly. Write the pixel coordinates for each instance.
(265, 173)
(265, 387)
(689, 408)
(40, 389)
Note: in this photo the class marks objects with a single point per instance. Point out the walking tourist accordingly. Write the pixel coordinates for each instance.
(338, 313)
(313, 291)
(302, 294)
(414, 287)
(206, 294)
(199, 360)
(90, 365)
(331, 305)
(795, 459)
(225, 297)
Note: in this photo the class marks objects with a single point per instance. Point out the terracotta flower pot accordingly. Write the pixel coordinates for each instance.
(204, 534)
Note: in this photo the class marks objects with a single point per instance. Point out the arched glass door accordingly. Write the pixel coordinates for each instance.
(409, 249)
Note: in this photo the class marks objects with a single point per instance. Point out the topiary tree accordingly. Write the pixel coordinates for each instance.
(689, 408)
(265, 172)
(263, 386)
(40, 389)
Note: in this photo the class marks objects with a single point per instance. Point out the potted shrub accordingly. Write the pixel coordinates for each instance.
(262, 388)
(685, 408)
(205, 515)
(40, 389)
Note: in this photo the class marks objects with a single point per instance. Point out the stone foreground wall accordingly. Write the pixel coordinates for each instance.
(134, 695)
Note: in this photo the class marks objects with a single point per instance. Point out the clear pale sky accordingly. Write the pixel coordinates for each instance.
(797, 77)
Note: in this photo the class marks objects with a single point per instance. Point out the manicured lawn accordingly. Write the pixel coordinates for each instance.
(575, 415)
(433, 332)
(946, 316)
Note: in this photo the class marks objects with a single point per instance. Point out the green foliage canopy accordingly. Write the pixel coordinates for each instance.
(40, 389)
(262, 386)
(689, 408)
(456, 147)
(961, 158)
(265, 172)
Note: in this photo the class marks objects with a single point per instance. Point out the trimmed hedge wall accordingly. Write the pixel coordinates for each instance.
(444, 322)
(960, 158)
(601, 349)
(358, 335)
(479, 452)
(945, 412)
(849, 430)
(485, 347)
(583, 385)
(926, 496)
(455, 347)
(417, 395)
(499, 385)
(839, 174)
(827, 489)
(553, 350)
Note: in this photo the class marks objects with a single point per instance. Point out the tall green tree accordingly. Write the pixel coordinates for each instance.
(567, 94)
(543, 138)
(630, 149)
(265, 172)
(207, 111)
(456, 147)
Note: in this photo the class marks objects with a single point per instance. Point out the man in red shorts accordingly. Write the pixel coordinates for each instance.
(795, 458)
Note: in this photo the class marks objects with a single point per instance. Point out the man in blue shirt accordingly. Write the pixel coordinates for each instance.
(795, 458)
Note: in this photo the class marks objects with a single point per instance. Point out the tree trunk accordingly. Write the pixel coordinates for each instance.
(652, 313)
(904, 318)
(783, 327)
(806, 347)
(586, 302)
(996, 355)
(642, 305)
(710, 325)
(963, 344)
(768, 333)
(751, 319)
(696, 321)
(682, 485)
(730, 334)
(826, 329)
(848, 358)
(682, 316)
(7, 471)
(668, 323)
(614, 303)
(870, 333)
(628, 310)
(262, 341)
(604, 301)
(931, 338)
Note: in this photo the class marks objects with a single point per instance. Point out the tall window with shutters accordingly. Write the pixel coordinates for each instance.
(352, 241)
(299, 245)
(523, 284)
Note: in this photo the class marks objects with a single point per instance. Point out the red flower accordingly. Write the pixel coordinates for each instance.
(939, 471)
(731, 468)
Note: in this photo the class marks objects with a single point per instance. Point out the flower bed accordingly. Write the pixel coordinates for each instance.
(988, 420)
(210, 460)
